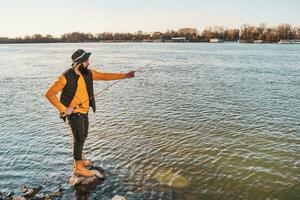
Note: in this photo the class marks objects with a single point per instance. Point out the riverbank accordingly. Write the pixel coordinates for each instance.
(213, 41)
(40, 193)
(113, 41)
(247, 34)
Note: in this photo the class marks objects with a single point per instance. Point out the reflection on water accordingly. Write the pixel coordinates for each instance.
(203, 121)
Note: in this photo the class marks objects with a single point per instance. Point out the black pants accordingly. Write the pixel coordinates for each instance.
(79, 124)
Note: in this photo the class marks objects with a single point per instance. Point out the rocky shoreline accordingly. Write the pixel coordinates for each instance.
(81, 185)
(37, 193)
(34, 193)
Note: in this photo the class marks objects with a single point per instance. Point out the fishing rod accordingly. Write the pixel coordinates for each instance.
(64, 115)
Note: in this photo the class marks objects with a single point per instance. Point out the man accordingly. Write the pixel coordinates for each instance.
(76, 97)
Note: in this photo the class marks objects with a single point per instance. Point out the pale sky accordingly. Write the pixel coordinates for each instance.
(55, 17)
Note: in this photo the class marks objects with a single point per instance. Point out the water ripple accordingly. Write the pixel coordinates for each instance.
(204, 121)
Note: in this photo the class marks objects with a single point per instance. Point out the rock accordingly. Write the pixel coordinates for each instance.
(31, 192)
(60, 188)
(40, 196)
(19, 198)
(85, 184)
(10, 194)
(171, 179)
(57, 194)
(117, 197)
(44, 196)
(47, 197)
(24, 189)
(58, 191)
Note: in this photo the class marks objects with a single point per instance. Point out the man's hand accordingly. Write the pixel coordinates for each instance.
(129, 74)
(68, 111)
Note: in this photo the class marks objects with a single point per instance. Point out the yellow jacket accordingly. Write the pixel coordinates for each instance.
(81, 94)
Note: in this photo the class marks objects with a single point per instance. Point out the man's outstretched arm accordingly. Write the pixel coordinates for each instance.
(111, 76)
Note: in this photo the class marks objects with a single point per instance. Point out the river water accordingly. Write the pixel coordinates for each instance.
(202, 121)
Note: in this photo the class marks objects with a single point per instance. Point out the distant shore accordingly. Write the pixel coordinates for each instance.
(283, 34)
(130, 41)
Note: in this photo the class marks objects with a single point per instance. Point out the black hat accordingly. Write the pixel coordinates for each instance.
(79, 56)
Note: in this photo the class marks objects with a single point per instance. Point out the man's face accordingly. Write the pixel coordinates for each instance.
(86, 63)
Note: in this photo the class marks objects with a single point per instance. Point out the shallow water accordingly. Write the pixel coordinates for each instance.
(203, 121)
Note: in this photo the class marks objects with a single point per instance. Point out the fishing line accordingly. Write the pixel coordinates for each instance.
(63, 116)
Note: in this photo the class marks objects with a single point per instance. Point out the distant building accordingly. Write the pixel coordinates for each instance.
(285, 42)
(258, 41)
(178, 39)
(216, 40)
(147, 40)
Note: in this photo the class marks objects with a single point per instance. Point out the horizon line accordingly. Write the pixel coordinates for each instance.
(166, 30)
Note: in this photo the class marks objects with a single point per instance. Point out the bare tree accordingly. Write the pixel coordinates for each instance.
(285, 31)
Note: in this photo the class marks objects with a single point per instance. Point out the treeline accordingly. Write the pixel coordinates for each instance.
(250, 33)
(247, 33)
(36, 38)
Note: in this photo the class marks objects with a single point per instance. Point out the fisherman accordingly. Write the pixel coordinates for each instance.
(77, 95)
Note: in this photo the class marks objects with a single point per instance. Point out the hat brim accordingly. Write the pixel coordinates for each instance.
(84, 58)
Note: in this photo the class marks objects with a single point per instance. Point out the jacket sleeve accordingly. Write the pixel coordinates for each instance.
(52, 91)
(106, 76)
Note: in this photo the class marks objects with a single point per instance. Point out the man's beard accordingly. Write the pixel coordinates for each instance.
(83, 70)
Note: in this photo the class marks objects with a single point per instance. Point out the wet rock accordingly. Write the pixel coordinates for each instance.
(117, 197)
(19, 198)
(58, 192)
(47, 197)
(31, 192)
(44, 196)
(85, 184)
(40, 196)
(24, 189)
(1, 195)
(10, 194)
